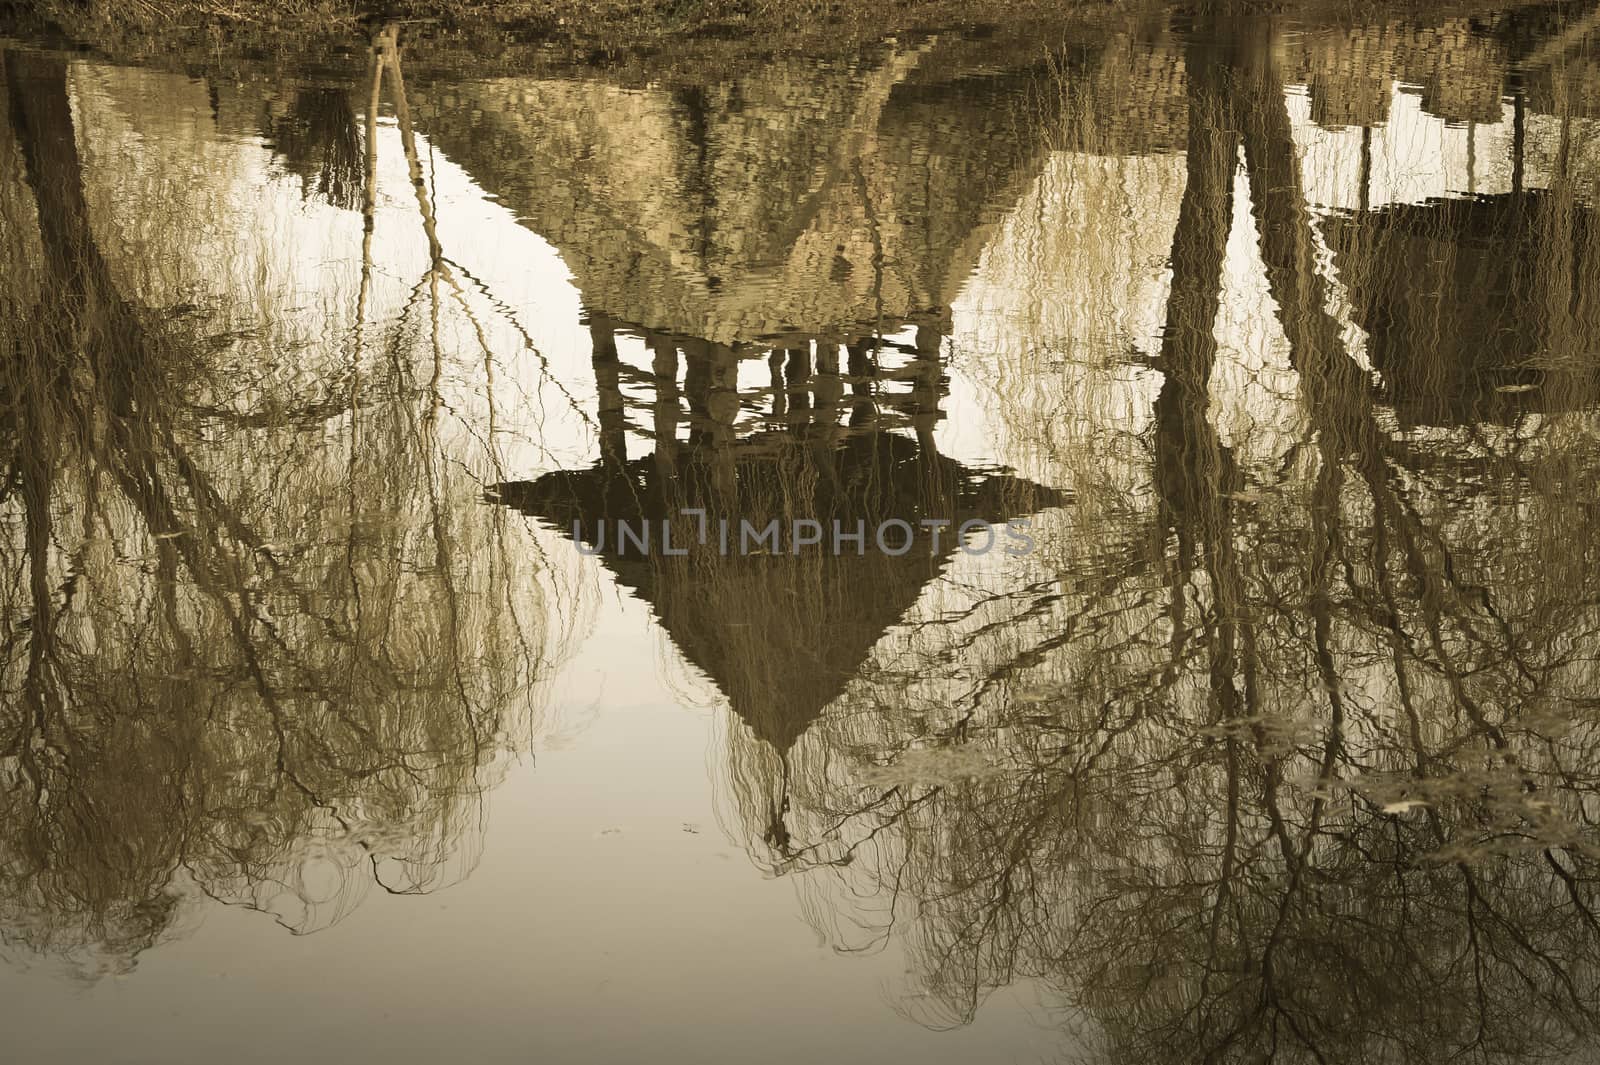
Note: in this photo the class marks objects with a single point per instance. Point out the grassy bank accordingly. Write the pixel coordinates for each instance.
(633, 39)
(597, 28)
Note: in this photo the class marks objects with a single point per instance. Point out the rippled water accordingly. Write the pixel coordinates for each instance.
(1245, 709)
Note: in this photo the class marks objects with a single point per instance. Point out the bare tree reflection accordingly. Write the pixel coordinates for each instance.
(270, 657)
(321, 142)
(1319, 786)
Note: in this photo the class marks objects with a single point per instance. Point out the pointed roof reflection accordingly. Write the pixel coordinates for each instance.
(779, 634)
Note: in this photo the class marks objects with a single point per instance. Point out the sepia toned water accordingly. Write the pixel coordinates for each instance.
(339, 722)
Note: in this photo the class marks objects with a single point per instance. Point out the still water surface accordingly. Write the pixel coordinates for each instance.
(321, 739)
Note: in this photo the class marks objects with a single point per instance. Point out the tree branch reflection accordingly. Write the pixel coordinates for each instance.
(1315, 788)
(272, 658)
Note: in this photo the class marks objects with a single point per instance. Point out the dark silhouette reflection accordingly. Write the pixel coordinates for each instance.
(1478, 309)
(779, 629)
(1319, 786)
(254, 654)
(320, 140)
